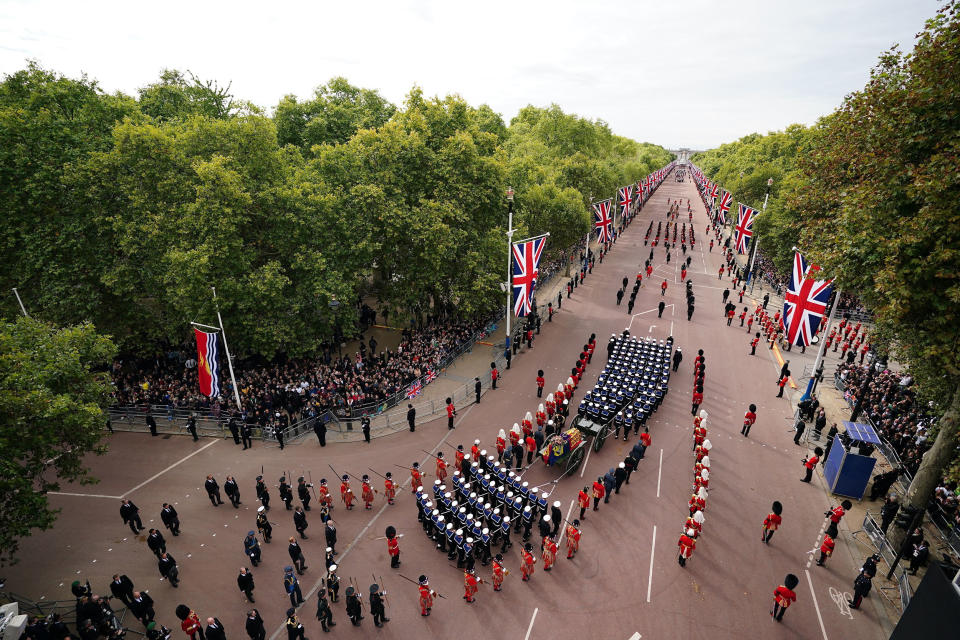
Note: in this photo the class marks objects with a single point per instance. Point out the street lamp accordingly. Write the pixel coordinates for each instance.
(756, 240)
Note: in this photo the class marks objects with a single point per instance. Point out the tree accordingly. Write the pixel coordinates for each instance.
(335, 113)
(53, 393)
(879, 213)
(176, 96)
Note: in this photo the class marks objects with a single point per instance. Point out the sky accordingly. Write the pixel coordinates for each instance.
(693, 73)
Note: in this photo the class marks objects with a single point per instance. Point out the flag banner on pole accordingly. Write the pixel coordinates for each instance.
(805, 302)
(414, 390)
(723, 207)
(603, 221)
(744, 229)
(714, 191)
(640, 193)
(207, 368)
(624, 198)
(526, 265)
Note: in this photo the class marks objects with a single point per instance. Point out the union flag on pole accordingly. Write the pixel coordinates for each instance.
(624, 198)
(414, 390)
(526, 270)
(603, 221)
(744, 229)
(723, 208)
(714, 191)
(805, 302)
(207, 367)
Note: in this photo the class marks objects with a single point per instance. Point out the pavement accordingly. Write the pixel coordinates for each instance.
(624, 583)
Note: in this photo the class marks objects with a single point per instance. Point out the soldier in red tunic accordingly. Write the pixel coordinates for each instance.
(494, 374)
(540, 383)
(687, 545)
(598, 493)
(393, 547)
(783, 596)
(835, 515)
(389, 488)
(583, 501)
(366, 492)
(499, 573)
(346, 493)
(458, 457)
(826, 549)
(426, 596)
(749, 418)
(541, 416)
(501, 444)
(529, 562)
(441, 467)
(549, 553)
(470, 582)
(572, 538)
(324, 494)
(416, 476)
(527, 424)
(550, 405)
(772, 522)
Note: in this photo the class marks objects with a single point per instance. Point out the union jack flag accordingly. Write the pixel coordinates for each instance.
(724, 207)
(414, 389)
(431, 376)
(805, 302)
(744, 229)
(603, 222)
(624, 198)
(714, 191)
(526, 261)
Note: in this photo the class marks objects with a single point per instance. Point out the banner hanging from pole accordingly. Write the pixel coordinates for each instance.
(207, 367)
(603, 221)
(805, 302)
(526, 271)
(744, 229)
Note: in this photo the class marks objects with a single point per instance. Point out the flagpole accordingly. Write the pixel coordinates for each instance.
(223, 332)
(22, 308)
(509, 265)
(756, 238)
(811, 385)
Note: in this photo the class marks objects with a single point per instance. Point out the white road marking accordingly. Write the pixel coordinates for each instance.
(82, 495)
(177, 463)
(636, 636)
(653, 546)
(585, 460)
(840, 599)
(572, 502)
(816, 606)
(659, 471)
(530, 627)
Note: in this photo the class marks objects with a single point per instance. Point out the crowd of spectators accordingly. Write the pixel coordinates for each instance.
(892, 406)
(289, 389)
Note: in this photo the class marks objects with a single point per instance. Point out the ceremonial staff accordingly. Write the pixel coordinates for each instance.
(435, 592)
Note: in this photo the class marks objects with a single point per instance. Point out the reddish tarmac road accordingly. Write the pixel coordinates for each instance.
(625, 579)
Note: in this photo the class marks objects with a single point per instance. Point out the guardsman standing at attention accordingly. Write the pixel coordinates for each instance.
(494, 374)
(393, 547)
(583, 501)
(540, 383)
(346, 493)
(366, 492)
(826, 549)
(389, 487)
(441, 467)
(772, 522)
(324, 493)
(529, 562)
(783, 596)
(426, 596)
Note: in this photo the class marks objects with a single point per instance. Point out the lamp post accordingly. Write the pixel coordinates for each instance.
(756, 239)
(334, 306)
(509, 267)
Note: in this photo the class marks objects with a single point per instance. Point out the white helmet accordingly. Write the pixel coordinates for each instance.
(691, 532)
(549, 397)
(528, 417)
(560, 386)
(516, 428)
(703, 414)
(502, 434)
(698, 517)
(707, 445)
(702, 494)
(705, 474)
(570, 381)
(540, 409)
(705, 461)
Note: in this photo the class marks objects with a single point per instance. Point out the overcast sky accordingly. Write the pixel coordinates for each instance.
(693, 73)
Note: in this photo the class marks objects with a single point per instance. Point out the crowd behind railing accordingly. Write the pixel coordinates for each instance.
(891, 406)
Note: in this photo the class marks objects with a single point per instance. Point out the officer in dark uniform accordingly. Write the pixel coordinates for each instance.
(320, 428)
(333, 583)
(377, 609)
(303, 492)
(354, 611)
(263, 525)
(152, 425)
(213, 491)
(324, 614)
(365, 428)
(286, 494)
(246, 435)
(300, 522)
(234, 430)
(192, 427)
(294, 628)
(262, 493)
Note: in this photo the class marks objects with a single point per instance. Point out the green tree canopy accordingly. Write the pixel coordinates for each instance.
(878, 208)
(52, 403)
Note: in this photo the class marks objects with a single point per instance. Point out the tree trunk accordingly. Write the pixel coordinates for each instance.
(935, 460)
